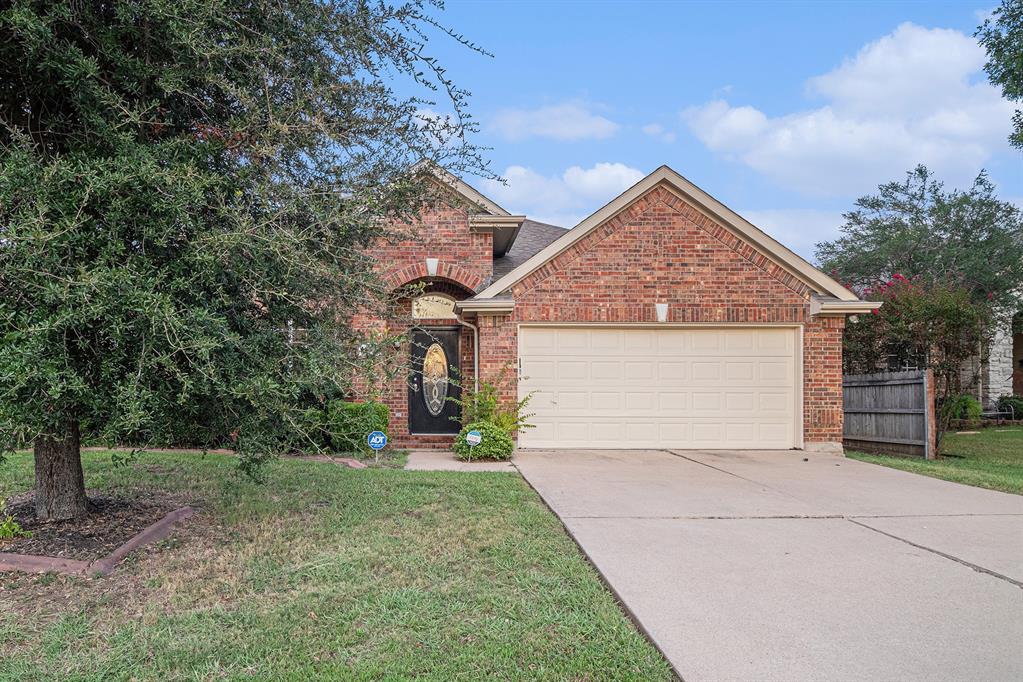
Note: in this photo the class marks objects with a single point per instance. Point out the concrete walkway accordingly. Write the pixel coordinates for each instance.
(763, 566)
(445, 460)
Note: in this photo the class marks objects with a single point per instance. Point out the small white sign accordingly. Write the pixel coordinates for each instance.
(474, 438)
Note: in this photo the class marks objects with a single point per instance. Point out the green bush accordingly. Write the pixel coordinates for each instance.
(9, 528)
(961, 407)
(349, 423)
(1011, 403)
(484, 405)
(496, 443)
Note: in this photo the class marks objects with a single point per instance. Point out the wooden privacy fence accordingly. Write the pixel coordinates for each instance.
(891, 413)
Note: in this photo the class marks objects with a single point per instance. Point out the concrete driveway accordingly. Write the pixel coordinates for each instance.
(763, 566)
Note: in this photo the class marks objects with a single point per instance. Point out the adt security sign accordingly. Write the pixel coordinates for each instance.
(474, 438)
(377, 440)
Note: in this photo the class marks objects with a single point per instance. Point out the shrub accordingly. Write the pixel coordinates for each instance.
(496, 443)
(1011, 403)
(9, 528)
(349, 423)
(961, 407)
(484, 405)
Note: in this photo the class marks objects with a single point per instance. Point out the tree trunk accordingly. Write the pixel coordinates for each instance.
(60, 484)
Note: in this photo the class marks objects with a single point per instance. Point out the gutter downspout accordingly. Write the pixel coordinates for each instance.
(475, 350)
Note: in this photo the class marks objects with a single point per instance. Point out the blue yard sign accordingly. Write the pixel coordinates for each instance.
(377, 440)
(473, 438)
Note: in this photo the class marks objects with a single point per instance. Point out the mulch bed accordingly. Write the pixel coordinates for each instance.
(114, 520)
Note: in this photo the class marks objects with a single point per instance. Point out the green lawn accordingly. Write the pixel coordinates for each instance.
(991, 458)
(325, 573)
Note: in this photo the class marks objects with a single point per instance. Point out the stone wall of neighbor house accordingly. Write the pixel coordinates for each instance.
(662, 250)
(998, 369)
(988, 375)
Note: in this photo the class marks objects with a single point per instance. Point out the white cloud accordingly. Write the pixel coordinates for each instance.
(658, 131)
(799, 229)
(568, 121)
(563, 199)
(917, 95)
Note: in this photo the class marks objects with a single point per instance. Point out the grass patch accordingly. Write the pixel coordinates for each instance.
(992, 458)
(325, 573)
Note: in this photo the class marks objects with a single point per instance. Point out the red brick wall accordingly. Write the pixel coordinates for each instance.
(662, 250)
(443, 232)
(465, 264)
(822, 380)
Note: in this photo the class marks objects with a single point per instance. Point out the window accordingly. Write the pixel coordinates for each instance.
(433, 307)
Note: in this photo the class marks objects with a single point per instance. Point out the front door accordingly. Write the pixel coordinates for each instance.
(434, 380)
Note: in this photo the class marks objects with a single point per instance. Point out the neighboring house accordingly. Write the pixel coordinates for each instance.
(662, 320)
(998, 370)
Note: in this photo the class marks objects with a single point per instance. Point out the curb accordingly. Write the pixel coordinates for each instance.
(29, 563)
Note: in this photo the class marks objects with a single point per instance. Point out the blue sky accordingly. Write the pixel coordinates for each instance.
(786, 112)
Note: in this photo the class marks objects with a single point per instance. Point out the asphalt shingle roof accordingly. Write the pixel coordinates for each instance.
(532, 238)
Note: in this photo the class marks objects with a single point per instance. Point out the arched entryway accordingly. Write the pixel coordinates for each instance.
(440, 361)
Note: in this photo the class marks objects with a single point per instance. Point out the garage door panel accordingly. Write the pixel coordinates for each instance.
(572, 340)
(538, 370)
(606, 370)
(773, 403)
(675, 432)
(572, 400)
(639, 370)
(672, 371)
(776, 432)
(670, 344)
(739, 402)
(775, 343)
(740, 371)
(608, 342)
(774, 371)
(678, 387)
(569, 370)
(674, 403)
(645, 401)
(706, 402)
(706, 371)
(640, 341)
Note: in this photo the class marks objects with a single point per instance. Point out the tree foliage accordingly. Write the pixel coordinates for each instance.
(933, 325)
(1002, 36)
(187, 191)
(936, 325)
(921, 231)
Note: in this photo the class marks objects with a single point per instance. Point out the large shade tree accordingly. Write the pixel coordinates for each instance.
(1001, 34)
(187, 191)
(921, 231)
(946, 265)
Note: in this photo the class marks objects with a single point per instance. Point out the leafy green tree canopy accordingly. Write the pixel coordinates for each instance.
(1002, 37)
(920, 231)
(187, 191)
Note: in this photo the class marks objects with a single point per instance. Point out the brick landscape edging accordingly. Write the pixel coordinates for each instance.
(29, 563)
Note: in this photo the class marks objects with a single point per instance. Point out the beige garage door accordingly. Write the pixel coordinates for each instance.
(599, 387)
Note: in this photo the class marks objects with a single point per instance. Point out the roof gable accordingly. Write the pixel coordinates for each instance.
(664, 176)
(466, 191)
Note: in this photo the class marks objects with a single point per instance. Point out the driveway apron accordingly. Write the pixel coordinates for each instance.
(787, 566)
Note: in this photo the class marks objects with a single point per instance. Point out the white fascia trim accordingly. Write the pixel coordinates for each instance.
(485, 221)
(693, 194)
(843, 307)
(467, 191)
(473, 305)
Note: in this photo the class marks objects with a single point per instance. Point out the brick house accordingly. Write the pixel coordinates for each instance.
(662, 320)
